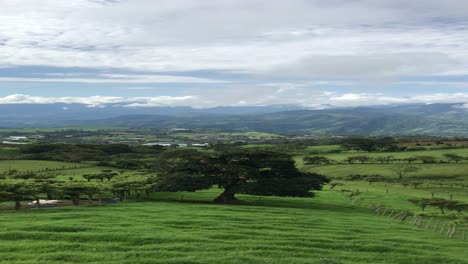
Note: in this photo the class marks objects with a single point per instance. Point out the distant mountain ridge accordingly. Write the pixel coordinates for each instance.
(416, 119)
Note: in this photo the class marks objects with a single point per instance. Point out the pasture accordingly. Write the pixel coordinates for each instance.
(439, 180)
(35, 165)
(341, 156)
(326, 229)
(65, 170)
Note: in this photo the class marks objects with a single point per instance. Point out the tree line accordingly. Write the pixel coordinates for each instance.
(235, 171)
(362, 159)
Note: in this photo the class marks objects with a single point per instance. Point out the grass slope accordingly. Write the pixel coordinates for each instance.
(326, 229)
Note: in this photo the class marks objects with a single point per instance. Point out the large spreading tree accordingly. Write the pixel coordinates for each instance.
(236, 171)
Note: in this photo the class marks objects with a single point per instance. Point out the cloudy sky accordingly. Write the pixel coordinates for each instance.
(205, 53)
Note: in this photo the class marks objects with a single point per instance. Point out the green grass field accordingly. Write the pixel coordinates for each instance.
(438, 153)
(443, 180)
(34, 165)
(445, 170)
(326, 229)
(8, 153)
(66, 169)
(188, 228)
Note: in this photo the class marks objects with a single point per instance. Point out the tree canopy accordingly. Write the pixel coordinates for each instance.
(237, 170)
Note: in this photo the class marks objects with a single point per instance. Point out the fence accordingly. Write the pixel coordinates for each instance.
(448, 229)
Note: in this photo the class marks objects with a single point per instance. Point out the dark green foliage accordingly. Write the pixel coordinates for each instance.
(441, 203)
(236, 171)
(426, 159)
(365, 177)
(361, 159)
(73, 152)
(454, 157)
(370, 144)
(316, 160)
(133, 185)
(104, 174)
(403, 169)
(17, 190)
(410, 159)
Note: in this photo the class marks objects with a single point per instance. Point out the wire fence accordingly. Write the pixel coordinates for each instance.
(449, 229)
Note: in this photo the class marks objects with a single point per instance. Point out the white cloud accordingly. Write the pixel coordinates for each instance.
(246, 97)
(118, 78)
(98, 101)
(288, 38)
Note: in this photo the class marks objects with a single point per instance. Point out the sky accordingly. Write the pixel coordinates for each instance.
(206, 53)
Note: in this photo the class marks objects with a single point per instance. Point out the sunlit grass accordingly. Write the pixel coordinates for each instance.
(326, 229)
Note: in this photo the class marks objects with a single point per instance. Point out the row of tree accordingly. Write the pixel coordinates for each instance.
(235, 171)
(441, 204)
(26, 187)
(450, 157)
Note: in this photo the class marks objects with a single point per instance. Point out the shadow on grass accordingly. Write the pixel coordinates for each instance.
(265, 201)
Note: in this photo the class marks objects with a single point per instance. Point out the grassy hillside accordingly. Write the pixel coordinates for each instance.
(326, 229)
(441, 180)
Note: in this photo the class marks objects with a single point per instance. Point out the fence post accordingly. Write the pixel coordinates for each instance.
(386, 209)
(436, 224)
(428, 222)
(443, 227)
(391, 213)
(421, 222)
(454, 229)
(448, 230)
(404, 216)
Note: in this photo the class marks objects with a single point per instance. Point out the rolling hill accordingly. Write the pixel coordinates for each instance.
(417, 119)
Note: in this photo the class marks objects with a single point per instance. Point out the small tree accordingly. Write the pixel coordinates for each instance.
(134, 185)
(374, 178)
(440, 203)
(385, 159)
(410, 159)
(403, 169)
(453, 157)
(74, 189)
(422, 203)
(361, 159)
(457, 206)
(316, 160)
(427, 159)
(17, 190)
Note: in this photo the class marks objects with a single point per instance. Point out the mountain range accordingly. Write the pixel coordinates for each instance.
(410, 119)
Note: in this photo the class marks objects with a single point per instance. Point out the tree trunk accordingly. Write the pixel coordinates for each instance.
(227, 197)
(38, 203)
(75, 200)
(17, 205)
